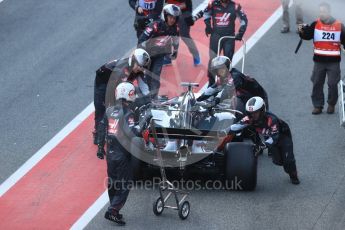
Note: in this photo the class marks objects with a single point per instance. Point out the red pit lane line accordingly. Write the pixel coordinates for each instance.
(63, 185)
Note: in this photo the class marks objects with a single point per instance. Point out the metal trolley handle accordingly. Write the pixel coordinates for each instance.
(244, 48)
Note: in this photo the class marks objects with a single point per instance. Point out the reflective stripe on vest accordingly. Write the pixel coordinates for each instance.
(327, 38)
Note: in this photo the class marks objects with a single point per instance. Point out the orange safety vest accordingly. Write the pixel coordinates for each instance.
(327, 39)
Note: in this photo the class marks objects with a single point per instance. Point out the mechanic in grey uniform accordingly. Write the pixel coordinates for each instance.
(117, 128)
(230, 83)
(223, 14)
(185, 22)
(127, 69)
(286, 17)
(146, 11)
(159, 39)
(275, 132)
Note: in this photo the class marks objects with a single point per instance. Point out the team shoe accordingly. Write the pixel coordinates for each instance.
(317, 110)
(114, 217)
(285, 30)
(330, 109)
(294, 178)
(197, 60)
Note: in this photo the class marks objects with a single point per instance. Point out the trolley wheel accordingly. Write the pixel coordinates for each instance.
(184, 210)
(158, 206)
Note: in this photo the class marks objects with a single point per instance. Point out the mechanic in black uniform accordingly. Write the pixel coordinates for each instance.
(159, 39)
(276, 133)
(231, 82)
(127, 69)
(186, 7)
(118, 128)
(223, 14)
(146, 11)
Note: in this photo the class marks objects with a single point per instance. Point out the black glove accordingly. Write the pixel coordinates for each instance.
(189, 21)
(145, 121)
(235, 128)
(208, 30)
(238, 37)
(100, 152)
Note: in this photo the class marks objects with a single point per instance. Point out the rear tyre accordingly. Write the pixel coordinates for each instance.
(240, 166)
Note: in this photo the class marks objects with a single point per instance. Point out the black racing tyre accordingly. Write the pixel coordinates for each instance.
(240, 166)
(158, 206)
(184, 210)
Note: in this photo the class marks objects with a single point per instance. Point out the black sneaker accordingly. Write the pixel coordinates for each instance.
(117, 218)
(294, 178)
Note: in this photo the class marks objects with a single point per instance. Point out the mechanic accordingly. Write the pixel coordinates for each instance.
(223, 14)
(118, 128)
(286, 16)
(328, 35)
(159, 39)
(231, 82)
(146, 11)
(184, 24)
(127, 69)
(276, 133)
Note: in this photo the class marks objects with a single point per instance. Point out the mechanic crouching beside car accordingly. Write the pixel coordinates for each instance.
(118, 128)
(275, 131)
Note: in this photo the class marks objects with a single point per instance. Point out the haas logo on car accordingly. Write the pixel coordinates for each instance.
(222, 19)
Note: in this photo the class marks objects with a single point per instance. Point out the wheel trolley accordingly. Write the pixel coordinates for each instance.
(166, 187)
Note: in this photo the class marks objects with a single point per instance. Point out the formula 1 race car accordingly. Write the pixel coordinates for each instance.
(190, 136)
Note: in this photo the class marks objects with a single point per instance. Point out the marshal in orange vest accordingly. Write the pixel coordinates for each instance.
(327, 38)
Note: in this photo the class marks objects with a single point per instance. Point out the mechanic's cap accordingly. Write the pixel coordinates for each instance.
(221, 62)
(141, 57)
(255, 104)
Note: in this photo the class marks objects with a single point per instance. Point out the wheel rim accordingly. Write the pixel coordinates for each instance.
(159, 205)
(185, 209)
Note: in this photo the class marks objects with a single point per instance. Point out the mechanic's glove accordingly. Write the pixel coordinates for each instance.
(189, 21)
(173, 56)
(100, 152)
(238, 37)
(145, 121)
(269, 142)
(208, 30)
(235, 128)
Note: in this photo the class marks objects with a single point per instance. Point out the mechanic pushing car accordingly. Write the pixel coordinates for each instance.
(146, 11)
(275, 131)
(223, 14)
(127, 69)
(118, 128)
(231, 82)
(184, 24)
(328, 35)
(159, 39)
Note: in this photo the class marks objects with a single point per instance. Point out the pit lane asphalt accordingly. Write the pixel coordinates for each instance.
(49, 52)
